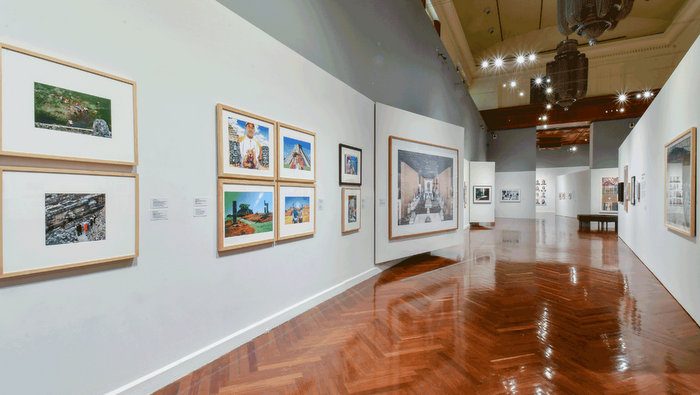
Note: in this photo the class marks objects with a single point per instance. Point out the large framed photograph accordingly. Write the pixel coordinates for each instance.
(609, 194)
(53, 109)
(422, 188)
(350, 166)
(246, 214)
(62, 219)
(511, 195)
(352, 210)
(246, 144)
(481, 194)
(680, 183)
(297, 154)
(297, 213)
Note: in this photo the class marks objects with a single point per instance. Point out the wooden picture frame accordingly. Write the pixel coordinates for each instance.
(344, 193)
(455, 194)
(221, 222)
(69, 265)
(691, 230)
(223, 152)
(67, 68)
(282, 210)
(342, 176)
(283, 174)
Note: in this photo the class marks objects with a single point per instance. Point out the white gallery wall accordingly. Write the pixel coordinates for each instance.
(465, 195)
(549, 174)
(523, 180)
(482, 173)
(391, 121)
(597, 188)
(674, 259)
(181, 305)
(577, 188)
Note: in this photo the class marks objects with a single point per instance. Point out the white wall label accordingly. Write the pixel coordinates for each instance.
(200, 212)
(159, 215)
(382, 202)
(319, 202)
(157, 203)
(200, 202)
(363, 203)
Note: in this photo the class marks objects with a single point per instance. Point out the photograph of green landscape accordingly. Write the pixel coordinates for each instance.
(247, 213)
(70, 111)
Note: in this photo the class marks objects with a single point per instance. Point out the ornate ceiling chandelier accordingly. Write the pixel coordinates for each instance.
(568, 73)
(591, 18)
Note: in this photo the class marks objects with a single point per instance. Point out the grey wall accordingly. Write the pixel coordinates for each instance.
(513, 150)
(563, 157)
(606, 138)
(386, 50)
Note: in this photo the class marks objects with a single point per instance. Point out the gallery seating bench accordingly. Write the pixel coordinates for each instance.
(584, 221)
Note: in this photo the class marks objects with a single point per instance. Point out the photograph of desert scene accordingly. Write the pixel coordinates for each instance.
(247, 213)
(70, 111)
(296, 209)
(74, 217)
(425, 188)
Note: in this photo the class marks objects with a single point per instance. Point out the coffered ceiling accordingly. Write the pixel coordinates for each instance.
(640, 53)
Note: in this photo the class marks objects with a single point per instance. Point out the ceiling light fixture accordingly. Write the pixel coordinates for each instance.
(548, 106)
(638, 95)
(538, 81)
(498, 62)
(544, 117)
(484, 64)
(520, 59)
(549, 90)
(622, 109)
(590, 18)
(622, 97)
(532, 57)
(647, 94)
(513, 84)
(521, 94)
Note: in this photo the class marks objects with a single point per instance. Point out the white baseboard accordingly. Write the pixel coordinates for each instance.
(173, 371)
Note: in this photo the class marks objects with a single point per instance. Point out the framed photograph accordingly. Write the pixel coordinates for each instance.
(482, 194)
(510, 195)
(62, 219)
(633, 191)
(352, 210)
(246, 144)
(350, 165)
(297, 154)
(297, 213)
(53, 109)
(608, 196)
(627, 188)
(680, 183)
(246, 214)
(423, 192)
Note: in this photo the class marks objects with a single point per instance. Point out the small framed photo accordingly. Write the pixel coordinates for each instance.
(297, 154)
(61, 219)
(482, 194)
(633, 192)
(246, 214)
(350, 165)
(351, 206)
(54, 109)
(246, 144)
(511, 195)
(297, 213)
(680, 164)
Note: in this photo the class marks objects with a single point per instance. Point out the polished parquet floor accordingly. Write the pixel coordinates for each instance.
(534, 306)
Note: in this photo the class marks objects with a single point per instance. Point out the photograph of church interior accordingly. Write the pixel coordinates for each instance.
(349, 197)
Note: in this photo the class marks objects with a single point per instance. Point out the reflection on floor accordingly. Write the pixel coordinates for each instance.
(536, 307)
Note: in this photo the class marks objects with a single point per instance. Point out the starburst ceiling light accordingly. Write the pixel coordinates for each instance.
(591, 18)
(569, 74)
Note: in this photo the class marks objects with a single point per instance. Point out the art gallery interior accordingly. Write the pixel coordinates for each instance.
(335, 196)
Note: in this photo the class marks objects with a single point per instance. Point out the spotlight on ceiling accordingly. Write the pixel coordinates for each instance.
(548, 106)
(573, 149)
(498, 62)
(549, 80)
(520, 59)
(532, 57)
(544, 117)
(638, 95)
(622, 109)
(622, 97)
(513, 84)
(647, 94)
(521, 94)
(538, 81)
(484, 64)
(549, 90)
(504, 85)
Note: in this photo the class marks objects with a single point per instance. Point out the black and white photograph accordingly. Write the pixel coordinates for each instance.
(511, 195)
(482, 194)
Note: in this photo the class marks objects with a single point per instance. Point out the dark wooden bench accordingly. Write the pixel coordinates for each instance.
(584, 221)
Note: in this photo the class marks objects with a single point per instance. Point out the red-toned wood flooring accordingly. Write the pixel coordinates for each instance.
(534, 307)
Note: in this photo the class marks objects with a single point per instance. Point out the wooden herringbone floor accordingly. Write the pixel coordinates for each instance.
(535, 307)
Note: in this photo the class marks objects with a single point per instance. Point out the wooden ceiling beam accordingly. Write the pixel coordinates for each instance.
(589, 109)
